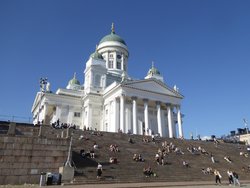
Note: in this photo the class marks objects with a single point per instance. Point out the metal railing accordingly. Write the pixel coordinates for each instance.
(14, 118)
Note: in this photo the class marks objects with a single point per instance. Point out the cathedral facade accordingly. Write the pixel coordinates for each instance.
(110, 100)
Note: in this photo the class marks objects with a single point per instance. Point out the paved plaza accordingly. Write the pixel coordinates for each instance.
(245, 184)
(156, 185)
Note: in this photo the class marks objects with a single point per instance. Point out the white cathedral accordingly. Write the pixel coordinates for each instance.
(110, 100)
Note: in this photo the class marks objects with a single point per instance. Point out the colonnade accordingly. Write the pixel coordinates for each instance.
(159, 106)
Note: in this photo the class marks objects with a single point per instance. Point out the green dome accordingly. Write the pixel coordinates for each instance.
(153, 70)
(96, 55)
(74, 81)
(112, 37)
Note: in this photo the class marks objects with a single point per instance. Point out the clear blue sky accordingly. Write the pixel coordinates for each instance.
(201, 46)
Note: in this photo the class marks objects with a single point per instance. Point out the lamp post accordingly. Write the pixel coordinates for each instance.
(68, 162)
(43, 82)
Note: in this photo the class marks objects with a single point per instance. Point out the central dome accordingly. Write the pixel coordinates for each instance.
(112, 37)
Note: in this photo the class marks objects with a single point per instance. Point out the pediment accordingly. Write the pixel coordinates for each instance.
(152, 85)
(36, 101)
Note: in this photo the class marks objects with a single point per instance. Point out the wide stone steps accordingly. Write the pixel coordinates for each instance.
(128, 170)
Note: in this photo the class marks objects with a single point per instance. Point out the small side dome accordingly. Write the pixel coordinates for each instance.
(74, 84)
(153, 71)
(74, 81)
(112, 37)
(96, 55)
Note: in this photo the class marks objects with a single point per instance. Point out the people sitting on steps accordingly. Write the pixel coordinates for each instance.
(227, 158)
(113, 160)
(113, 148)
(130, 140)
(145, 139)
(147, 171)
(178, 151)
(185, 164)
(244, 154)
(95, 145)
(138, 158)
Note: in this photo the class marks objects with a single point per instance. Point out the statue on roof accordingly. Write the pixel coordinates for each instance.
(48, 87)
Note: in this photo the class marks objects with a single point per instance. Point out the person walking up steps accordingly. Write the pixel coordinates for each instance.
(230, 177)
(236, 178)
(99, 171)
(217, 176)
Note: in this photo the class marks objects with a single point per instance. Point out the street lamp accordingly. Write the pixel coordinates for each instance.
(43, 82)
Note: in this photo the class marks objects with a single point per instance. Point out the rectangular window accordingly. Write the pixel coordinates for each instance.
(118, 65)
(110, 64)
(77, 114)
(111, 55)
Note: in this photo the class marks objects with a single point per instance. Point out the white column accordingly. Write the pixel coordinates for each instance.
(122, 113)
(135, 131)
(179, 122)
(170, 121)
(115, 114)
(174, 122)
(146, 116)
(158, 106)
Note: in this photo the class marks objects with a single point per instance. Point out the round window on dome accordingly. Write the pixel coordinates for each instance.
(119, 56)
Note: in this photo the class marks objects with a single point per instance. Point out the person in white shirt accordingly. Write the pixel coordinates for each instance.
(99, 170)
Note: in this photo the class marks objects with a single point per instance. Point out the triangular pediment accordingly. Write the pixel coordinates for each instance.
(152, 85)
(36, 101)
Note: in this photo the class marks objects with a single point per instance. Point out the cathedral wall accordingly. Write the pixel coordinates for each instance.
(96, 118)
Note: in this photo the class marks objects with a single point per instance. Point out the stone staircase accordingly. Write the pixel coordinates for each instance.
(127, 170)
